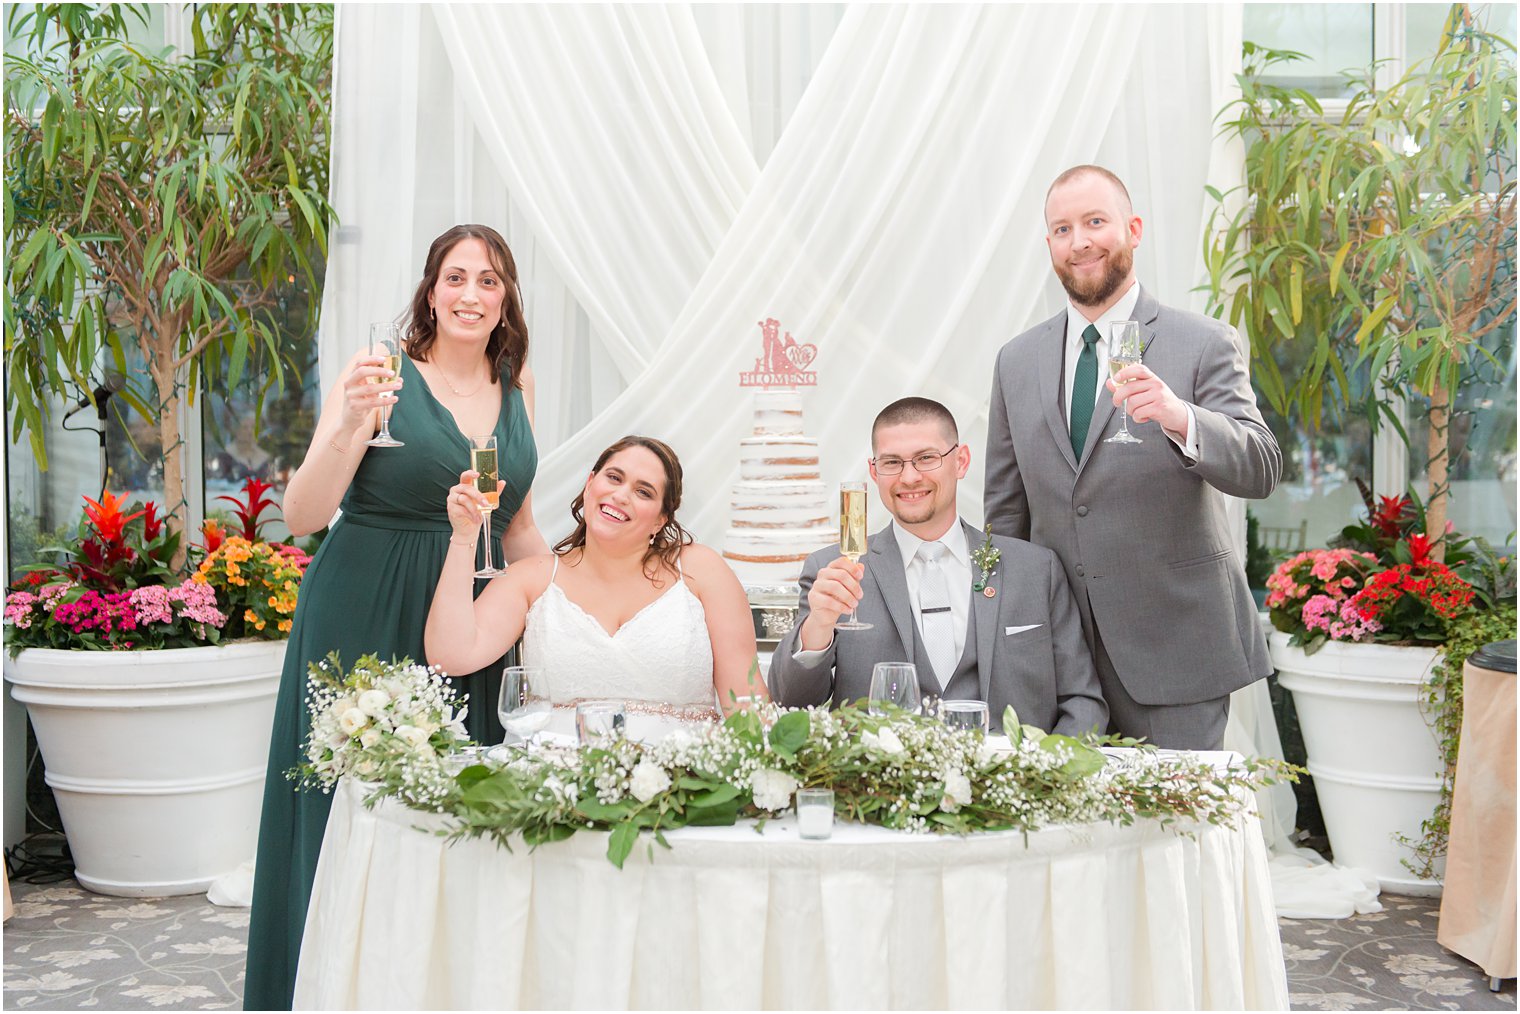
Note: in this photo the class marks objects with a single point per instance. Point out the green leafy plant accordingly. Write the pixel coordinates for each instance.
(1378, 241)
(156, 199)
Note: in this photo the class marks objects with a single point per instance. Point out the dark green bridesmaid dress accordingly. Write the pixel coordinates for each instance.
(367, 591)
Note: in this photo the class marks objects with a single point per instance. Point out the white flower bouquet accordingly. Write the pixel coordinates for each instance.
(385, 722)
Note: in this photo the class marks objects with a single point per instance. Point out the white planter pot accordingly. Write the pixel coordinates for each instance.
(1374, 758)
(156, 758)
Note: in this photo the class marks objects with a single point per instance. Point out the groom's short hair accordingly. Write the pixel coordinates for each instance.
(906, 411)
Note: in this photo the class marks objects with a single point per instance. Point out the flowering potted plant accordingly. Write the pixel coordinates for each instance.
(152, 692)
(1360, 635)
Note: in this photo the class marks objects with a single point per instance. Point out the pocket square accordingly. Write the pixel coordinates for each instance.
(1020, 630)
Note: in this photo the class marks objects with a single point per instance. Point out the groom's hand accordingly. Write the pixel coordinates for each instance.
(835, 591)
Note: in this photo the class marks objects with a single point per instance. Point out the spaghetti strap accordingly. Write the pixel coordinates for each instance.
(555, 569)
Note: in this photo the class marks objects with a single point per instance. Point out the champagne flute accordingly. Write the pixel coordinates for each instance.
(852, 536)
(385, 341)
(1124, 349)
(483, 461)
(525, 706)
(893, 683)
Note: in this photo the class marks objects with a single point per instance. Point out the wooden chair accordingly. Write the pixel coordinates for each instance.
(1284, 540)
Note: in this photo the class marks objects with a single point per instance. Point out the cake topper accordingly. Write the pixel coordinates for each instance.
(782, 362)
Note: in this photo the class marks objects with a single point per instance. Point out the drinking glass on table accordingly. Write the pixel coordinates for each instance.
(525, 706)
(385, 342)
(483, 461)
(964, 715)
(852, 537)
(1124, 349)
(893, 683)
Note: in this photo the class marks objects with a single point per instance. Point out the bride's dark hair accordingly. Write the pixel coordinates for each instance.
(665, 548)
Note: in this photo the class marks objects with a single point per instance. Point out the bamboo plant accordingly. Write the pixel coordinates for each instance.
(1379, 241)
(156, 199)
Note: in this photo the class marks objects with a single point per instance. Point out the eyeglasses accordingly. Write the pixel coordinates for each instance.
(925, 462)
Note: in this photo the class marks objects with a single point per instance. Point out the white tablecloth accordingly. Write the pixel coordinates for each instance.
(1088, 917)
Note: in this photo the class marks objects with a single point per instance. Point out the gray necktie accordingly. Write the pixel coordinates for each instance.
(938, 622)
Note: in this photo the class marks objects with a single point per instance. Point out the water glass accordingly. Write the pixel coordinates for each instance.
(815, 813)
(525, 706)
(598, 721)
(894, 683)
(965, 715)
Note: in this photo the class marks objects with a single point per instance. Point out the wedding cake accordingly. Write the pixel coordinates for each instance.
(780, 509)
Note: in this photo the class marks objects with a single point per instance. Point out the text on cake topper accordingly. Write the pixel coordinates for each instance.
(783, 362)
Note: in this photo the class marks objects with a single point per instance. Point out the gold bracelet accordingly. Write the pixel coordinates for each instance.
(334, 445)
(454, 542)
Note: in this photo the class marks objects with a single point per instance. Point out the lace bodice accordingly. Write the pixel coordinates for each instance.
(662, 655)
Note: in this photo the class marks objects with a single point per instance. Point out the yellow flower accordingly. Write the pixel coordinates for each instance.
(199, 577)
(284, 626)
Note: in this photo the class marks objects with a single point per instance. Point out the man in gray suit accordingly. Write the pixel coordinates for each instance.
(1142, 529)
(1011, 637)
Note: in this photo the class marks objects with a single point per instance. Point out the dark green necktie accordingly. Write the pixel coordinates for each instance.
(1084, 391)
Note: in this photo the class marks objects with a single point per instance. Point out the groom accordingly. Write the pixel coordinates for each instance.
(1009, 636)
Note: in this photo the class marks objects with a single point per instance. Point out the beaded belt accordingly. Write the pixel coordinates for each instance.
(684, 712)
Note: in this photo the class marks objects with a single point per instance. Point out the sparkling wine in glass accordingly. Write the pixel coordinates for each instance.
(1124, 349)
(525, 706)
(385, 341)
(893, 683)
(483, 461)
(852, 536)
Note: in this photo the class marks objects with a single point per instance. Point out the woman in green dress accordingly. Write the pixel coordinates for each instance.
(371, 583)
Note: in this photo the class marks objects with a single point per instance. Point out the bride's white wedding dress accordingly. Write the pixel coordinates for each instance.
(659, 663)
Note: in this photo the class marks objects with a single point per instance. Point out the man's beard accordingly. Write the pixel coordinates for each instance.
(1097, 291)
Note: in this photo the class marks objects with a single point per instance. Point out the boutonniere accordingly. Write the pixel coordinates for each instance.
(986, 557)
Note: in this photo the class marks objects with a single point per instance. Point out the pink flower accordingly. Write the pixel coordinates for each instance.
(18, 609)
(152, 604)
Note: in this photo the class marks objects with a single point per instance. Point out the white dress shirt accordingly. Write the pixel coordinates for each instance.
(956, 565)
(1076, 323)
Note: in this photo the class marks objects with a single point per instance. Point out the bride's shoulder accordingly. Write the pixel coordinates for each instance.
(532, 574)
(705, 567)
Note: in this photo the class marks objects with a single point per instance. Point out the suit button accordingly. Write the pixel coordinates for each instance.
(1080, 571)
(1082, 512)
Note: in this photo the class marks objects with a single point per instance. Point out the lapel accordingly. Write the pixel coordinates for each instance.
(884, 565)
(1048, 350)
(985, 610)
(1146, 309)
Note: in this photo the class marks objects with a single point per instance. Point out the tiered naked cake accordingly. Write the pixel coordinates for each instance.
(780, 508)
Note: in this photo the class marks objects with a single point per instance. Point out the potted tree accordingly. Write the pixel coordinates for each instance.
(153, 200)
(1374, 242)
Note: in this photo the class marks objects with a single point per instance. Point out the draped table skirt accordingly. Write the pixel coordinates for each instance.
(1093, 916)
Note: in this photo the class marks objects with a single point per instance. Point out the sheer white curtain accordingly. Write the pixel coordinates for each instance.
(882, 197)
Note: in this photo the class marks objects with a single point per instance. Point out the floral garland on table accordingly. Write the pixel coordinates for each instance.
(395, 724)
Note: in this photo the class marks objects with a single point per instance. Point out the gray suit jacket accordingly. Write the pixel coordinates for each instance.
(1043, 670)
(1142, 532)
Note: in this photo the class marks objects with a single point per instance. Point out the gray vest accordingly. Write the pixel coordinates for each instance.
(965, 684)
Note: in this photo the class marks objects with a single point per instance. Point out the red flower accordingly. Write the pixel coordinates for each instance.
(1388, 517)
(153, 525)
(107, 519)
(249, 509)
(213, 534)
(1419, 549)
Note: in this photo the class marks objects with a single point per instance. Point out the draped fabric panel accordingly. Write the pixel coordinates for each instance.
(883, 197)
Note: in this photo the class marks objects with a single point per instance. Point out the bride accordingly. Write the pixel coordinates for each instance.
(626, 607)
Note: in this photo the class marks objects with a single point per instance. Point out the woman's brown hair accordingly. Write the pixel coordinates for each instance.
(508, 344)
(665, 546)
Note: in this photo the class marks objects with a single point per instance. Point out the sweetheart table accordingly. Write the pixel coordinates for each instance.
(1090, 916)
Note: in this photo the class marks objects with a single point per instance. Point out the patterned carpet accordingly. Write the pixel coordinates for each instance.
(66, 948)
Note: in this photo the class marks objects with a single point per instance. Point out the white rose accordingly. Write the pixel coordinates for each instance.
(647, 781)
(369, 737)
(366, 767)
(414, 737)
(336, 740)
(373, 702)
(885, 741)
(772, 789)
(957, 792)
(352, 720)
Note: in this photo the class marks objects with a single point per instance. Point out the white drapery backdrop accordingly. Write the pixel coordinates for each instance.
(668, 176)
